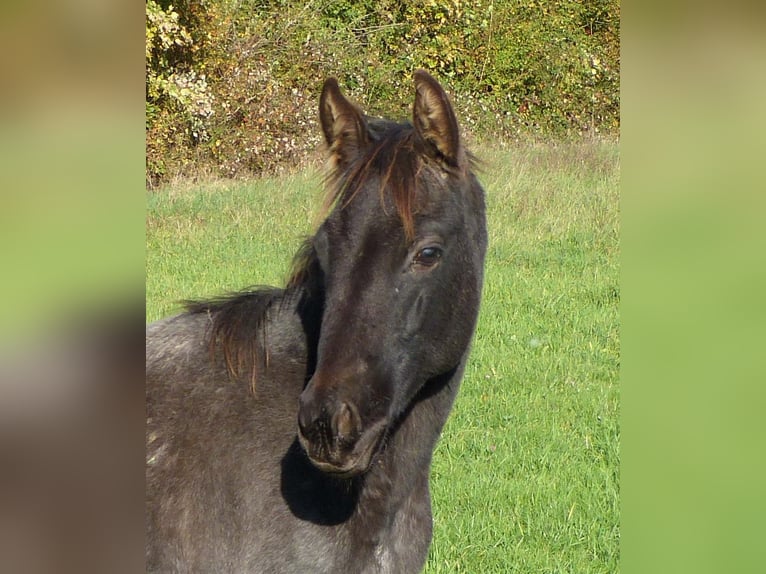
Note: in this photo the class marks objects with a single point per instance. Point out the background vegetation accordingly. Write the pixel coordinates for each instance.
(526, 475)
(231, 85)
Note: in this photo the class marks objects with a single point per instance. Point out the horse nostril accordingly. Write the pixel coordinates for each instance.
(346, 422)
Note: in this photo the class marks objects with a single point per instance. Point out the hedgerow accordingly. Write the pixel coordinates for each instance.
(232, 84)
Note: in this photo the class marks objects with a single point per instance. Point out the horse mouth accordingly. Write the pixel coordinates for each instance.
(335, 458)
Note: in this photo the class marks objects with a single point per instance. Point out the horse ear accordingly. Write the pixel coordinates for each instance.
(342, 123)
(435, 120)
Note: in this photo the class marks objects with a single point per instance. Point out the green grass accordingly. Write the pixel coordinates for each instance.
(526, 475)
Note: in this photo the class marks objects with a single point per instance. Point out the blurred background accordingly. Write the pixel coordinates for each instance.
(71, 285)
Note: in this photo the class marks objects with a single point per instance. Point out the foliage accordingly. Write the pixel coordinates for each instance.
(178, 98)
(232, 85)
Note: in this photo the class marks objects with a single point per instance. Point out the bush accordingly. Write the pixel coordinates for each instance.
(232, 86)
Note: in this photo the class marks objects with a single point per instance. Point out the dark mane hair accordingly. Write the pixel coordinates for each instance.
(397, 156)
(392, 158)
(237, 327)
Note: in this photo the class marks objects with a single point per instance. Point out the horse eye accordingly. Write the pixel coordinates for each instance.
(427, 257)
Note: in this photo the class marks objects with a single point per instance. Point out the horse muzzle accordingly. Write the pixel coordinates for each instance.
(334, 438)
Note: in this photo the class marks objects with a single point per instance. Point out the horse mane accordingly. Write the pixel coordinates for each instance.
(238, 320)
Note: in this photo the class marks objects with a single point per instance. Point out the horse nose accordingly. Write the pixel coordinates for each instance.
(341, 419)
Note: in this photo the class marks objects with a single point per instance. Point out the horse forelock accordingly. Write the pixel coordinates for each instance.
(396, 159)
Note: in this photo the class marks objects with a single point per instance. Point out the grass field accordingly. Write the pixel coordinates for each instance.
(526, 476)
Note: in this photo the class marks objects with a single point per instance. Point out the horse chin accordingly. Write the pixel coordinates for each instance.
(354, 463)
(339, 471)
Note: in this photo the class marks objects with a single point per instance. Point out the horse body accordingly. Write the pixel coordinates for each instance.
(251, 500)
(292, 430)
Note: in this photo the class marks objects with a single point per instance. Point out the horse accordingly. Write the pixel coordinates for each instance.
(292, 429)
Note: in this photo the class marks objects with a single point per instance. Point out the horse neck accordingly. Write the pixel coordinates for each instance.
(406, 461)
